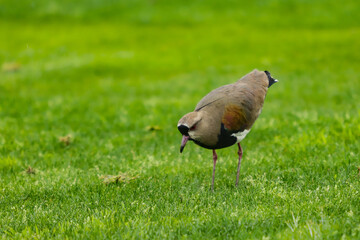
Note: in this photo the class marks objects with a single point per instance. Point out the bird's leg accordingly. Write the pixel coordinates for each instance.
(238, 169)
(213, 177)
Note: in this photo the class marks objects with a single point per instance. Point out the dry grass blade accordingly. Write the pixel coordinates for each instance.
(115, 179)
(10, 67)
(66, 140)
(30, 171)
(153, 128)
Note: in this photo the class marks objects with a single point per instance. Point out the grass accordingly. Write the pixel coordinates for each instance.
(116, 76)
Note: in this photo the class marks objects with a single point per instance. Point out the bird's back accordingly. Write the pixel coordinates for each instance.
(237, 105)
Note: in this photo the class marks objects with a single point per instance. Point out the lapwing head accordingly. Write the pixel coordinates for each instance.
(188, 126)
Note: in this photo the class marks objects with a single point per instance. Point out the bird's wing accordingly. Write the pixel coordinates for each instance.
(237, 105)
(214, 96)
(233, 110)
(235, 118)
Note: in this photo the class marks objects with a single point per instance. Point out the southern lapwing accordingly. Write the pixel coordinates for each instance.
(225, 115)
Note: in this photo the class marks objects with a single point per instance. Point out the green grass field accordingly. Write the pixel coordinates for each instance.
(116, 76)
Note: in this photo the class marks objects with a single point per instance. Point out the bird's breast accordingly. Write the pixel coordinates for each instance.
(224, 139)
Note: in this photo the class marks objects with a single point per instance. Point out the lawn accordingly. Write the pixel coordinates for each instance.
(91, 90)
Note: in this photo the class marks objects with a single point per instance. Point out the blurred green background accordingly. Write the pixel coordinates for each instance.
(115, 77)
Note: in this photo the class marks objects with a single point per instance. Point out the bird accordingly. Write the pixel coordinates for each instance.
(225, 115)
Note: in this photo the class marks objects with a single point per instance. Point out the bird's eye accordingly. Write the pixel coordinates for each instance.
(193, 128)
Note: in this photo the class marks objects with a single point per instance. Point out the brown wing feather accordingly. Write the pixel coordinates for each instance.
(213, 96)
(234, 118)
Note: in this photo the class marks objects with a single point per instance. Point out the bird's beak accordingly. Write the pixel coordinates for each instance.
(183, 142)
